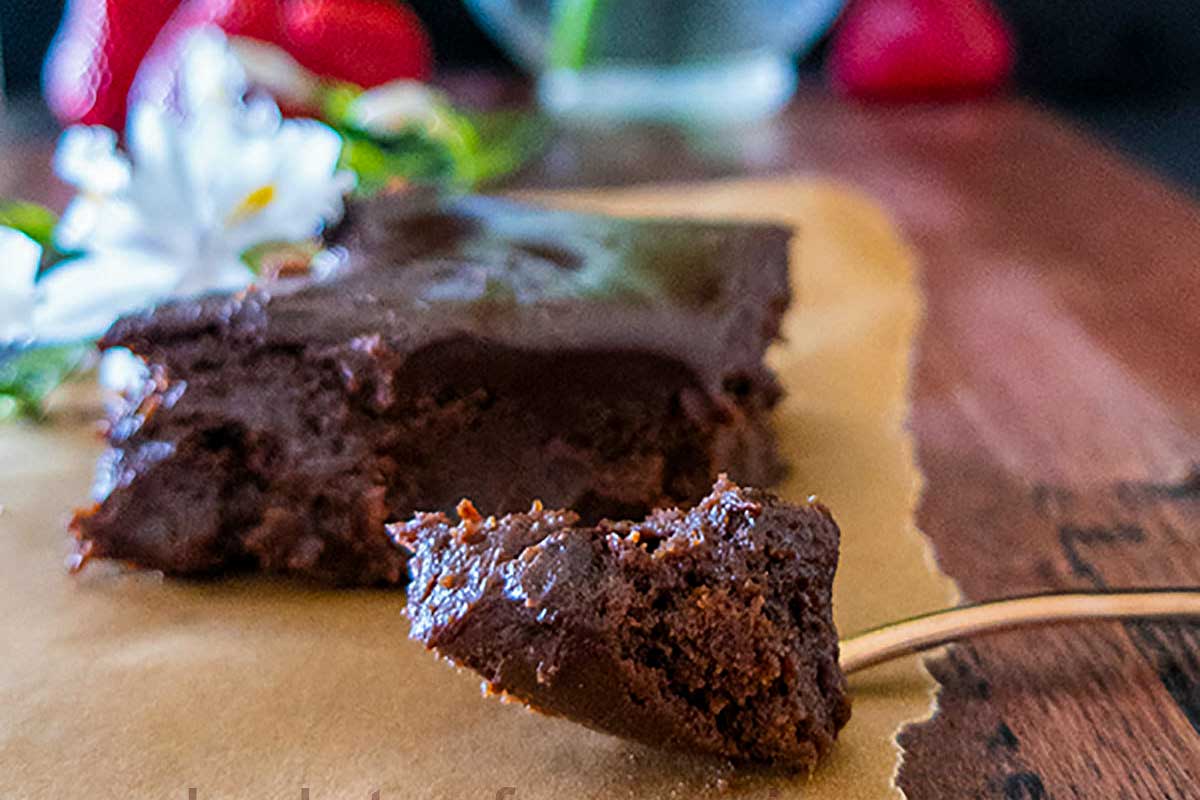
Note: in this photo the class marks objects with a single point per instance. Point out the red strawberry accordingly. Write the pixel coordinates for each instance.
(95, 56)
(254, 19)
(899, 49)
(366, 42)
(257, 19)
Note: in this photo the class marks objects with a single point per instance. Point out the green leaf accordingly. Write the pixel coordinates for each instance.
(27, 377)
(35, 221)
(571, 32)
(465, 152)
(410, 157)
(336, 99)
(504, 141)
(448, 147)
(38, 223)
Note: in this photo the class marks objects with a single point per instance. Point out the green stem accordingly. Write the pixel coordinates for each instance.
(571, 32)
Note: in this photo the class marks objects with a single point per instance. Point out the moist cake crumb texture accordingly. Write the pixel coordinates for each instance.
(707, 630)
(455, 346)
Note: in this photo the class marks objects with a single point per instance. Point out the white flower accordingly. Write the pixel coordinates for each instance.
(64, 305)
(20, 265)
(121, 372)
(197, 189)
(80, 299)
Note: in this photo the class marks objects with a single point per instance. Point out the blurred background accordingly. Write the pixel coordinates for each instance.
(1128, 71)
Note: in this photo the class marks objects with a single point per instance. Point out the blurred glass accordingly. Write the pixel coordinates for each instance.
(693, 59)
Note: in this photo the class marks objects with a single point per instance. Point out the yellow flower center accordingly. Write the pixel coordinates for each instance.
(252, 204)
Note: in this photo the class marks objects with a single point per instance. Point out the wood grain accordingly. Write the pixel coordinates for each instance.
(1056, 409)
(1057, 414)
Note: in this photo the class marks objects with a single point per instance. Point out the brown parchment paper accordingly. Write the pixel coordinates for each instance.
(118, 684)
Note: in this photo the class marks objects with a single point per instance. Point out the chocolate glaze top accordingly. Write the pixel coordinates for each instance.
(416, 269)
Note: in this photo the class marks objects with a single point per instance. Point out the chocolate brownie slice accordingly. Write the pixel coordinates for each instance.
(449, 347)
(707, 630)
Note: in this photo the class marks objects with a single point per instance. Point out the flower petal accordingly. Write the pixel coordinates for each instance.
(19, 259)
(164, 190)
(122, 372)
(308, 189)
(81, 299)
(226, 274)
(93, 222)
(211, 77)
(87, 158)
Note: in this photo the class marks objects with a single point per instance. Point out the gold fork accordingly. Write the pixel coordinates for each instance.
(927, 631)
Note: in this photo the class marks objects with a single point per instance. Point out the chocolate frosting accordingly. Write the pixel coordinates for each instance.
(519, 276)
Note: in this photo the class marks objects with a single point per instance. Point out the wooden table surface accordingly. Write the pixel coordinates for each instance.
(1056, 409)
